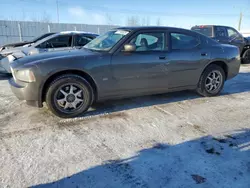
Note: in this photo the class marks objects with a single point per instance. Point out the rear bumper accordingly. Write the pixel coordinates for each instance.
(25, 91)
(233, 67)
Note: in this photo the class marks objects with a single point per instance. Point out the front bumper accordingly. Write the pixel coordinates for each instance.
(6, 61)
(5, 64)
(25, 91)
(3, 70)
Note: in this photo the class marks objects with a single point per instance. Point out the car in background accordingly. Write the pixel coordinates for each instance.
(60, 41)
(226, 35)
(18, 44)
(124, 62)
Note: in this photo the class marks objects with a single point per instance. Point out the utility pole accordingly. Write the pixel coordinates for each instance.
(57, 11)
(239, 26)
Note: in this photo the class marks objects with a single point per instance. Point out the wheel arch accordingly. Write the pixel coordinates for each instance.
(220, 63)
(244, 49)
(53, 76)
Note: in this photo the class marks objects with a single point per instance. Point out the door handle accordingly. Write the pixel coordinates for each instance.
(203, 54)
(162, 57)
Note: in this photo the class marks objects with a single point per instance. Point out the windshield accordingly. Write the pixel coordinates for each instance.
(207, 31)
(41, 37)
(107, 41)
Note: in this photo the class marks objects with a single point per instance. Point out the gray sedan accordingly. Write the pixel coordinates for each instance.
(60, 41)
(124, 62)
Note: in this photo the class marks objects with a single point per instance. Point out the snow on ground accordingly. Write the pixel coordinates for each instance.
(171, 140)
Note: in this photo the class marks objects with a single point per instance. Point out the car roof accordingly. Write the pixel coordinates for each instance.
(212, 26)
(135, 28)
(76, 32)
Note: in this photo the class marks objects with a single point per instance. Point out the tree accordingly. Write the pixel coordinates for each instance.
(46, 18)
(158, 22)
(133, 21)
(148, 21)
(109, 19)
(143, 21)
(43, 18)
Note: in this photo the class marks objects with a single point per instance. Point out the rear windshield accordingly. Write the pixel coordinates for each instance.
(207, 31)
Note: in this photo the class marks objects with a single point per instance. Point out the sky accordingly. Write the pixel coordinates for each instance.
(179, 13)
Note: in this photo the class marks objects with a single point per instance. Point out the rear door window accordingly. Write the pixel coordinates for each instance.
(82, 40)
(221, 32)
(181, 41)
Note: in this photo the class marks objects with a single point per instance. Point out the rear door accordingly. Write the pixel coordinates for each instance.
(185, 58)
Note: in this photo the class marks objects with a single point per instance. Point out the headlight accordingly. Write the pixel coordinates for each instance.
(25, 75)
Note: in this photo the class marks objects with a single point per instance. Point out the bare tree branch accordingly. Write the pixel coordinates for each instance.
(158, 22)
(133, 21)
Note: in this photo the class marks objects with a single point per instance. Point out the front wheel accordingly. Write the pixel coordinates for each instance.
(69, 96)
(211, 81)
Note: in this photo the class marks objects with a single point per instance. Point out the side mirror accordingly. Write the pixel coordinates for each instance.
(129, 48)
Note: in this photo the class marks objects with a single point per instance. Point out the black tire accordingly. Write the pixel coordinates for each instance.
(201, 88)
(63, 81)
(246, 57)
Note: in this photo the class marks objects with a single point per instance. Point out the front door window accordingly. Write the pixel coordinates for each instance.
(153, 41)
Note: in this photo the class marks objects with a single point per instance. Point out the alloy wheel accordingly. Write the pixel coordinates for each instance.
(69, 98)
(213, 81)
(247, 56)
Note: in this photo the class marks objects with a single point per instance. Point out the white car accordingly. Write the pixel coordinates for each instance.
(60, 41)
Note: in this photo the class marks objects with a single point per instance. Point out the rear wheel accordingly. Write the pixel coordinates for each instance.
(246, 57)
(211, 81)
(69, 96)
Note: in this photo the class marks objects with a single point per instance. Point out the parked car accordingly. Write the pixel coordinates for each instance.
(227, 35)
(18, 44)
(124, 62)
(56, 42)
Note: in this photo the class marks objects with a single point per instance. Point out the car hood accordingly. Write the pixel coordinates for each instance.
(13, 50)
(39, 58)
(15, 44)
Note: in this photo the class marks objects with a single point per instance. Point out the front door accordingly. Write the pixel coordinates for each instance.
(81, 40)
(145, 69)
